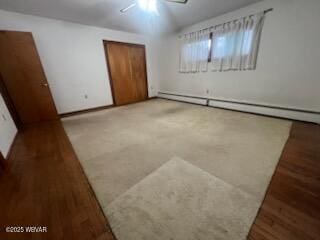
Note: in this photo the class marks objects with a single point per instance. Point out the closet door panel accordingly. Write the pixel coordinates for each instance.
(127, 72)
(120, 73)
(139, 75)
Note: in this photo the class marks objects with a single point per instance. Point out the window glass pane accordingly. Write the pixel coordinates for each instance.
(201, 48)
(219, 47)
(225, 45)
(247, 43)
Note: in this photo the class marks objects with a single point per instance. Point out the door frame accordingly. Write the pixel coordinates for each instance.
(105, 44)
(9, 103)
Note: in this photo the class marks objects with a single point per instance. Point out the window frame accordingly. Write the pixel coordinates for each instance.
(211, 47)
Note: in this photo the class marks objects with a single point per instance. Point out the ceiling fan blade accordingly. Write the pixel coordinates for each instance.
(128, 8)
(178, 1)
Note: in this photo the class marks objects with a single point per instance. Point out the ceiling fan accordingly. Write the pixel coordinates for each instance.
(149, 5)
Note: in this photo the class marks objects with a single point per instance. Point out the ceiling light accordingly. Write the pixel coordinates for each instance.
(148, 5)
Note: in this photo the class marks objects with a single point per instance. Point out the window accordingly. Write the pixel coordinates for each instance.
(191, 48)
(230, 46)
(195, 51)
(224, 46)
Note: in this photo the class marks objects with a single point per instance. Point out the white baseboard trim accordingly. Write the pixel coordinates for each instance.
(184, 99)
(301, 115)
(274, 112)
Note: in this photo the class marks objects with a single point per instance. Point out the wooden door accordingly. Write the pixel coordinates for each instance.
(139, 71)
(127, 72)
(23, 76)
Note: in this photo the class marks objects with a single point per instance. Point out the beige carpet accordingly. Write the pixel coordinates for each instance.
(182, 202)
(118, 148)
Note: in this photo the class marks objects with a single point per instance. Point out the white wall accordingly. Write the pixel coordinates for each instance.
(74, 61)
(287, 74)
(8, 129)
(288, 69)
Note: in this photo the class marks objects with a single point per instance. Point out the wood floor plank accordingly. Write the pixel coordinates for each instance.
(45, 186)
(291, 208)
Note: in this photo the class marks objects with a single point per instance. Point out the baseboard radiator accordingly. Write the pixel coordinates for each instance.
(269, 110)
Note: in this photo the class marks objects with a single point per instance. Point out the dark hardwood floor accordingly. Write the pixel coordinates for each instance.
(291, 209)
(44, 185)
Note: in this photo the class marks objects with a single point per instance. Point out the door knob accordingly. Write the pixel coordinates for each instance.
(45, 84)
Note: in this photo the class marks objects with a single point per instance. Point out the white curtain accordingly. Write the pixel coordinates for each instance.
(194, 51)
(235, 44)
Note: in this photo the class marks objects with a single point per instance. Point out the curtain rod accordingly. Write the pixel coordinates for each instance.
(264, 12)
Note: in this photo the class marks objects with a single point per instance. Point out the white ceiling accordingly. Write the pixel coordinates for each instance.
(106, 13)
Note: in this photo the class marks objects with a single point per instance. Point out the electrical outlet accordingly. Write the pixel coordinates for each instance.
(86, 96)
(207, 91)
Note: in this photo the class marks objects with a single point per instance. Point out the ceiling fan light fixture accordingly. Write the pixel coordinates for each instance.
(148, 5)
(178, 1)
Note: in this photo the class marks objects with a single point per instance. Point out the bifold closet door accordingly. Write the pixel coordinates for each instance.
(127, 72)
(139, 71)
(24, 79)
